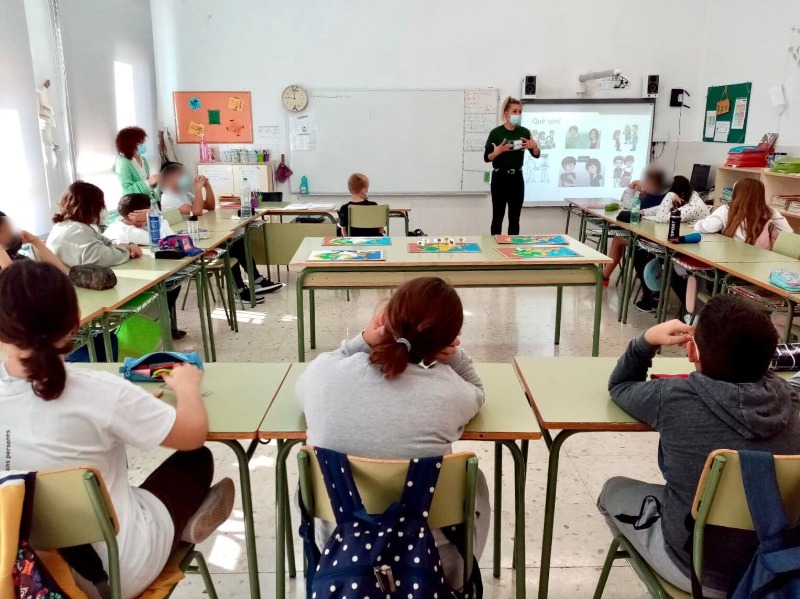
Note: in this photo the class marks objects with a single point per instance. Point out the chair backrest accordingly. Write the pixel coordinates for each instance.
(380, 483)
(173, 217)
(787, 244)
(284, 239)
(368, 217)
(71, 507)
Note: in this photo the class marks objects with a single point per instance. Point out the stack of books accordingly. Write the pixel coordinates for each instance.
(786, 203)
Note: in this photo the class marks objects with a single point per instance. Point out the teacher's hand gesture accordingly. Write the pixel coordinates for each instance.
(529, 144)
(503, 147)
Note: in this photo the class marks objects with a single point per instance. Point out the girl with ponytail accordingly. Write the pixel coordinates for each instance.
(401, 389)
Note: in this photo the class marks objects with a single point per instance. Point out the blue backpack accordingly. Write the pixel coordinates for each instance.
(390, 555)
(774, 572)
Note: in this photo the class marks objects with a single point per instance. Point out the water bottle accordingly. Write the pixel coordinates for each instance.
(246, 208)
(636, 207)
(304, 186)
(154, 224)
(193, 229)
(204, 154)
(674, 230)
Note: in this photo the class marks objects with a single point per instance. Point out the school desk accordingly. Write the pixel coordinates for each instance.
(279, 209)
(487, 268)
(505, 418)
(236, 397)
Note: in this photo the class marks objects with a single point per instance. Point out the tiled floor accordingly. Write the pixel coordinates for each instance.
(499, 324)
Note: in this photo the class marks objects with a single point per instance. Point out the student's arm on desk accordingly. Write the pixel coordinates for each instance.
(191, 420)
(462, 365)
(628, 383)
(714, 222)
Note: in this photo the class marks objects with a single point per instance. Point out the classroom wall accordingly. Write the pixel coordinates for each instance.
(263, 45)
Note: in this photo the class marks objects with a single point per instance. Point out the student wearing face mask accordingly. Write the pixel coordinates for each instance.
(132, 168)
(505, 149)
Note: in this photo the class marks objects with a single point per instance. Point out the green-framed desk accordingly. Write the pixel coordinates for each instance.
(487, 268)
(505, 418)
(236, 397)
(280, 209)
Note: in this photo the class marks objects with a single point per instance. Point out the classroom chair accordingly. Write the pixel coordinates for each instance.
(72, 507)
(283, 241)
(380, 483)
(368, 217)
(719, 501)
(223, 278)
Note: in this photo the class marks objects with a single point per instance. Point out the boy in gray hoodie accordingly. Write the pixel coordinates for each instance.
(732, 401)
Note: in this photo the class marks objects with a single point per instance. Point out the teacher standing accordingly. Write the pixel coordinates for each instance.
(505, 149)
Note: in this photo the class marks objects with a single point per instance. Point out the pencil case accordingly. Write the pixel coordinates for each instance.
(786, 358)
(785, 279)
(153, 366)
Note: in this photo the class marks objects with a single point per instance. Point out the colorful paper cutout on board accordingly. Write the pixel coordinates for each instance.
(523, 253)
(235, 103)
(346, 256)
(213, 117)
(443, 245)
(194, 103)
(531, 239)
(196, 128)
(235, 127)
(329, 241)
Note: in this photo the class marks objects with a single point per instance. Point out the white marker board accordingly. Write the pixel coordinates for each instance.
(406, 141)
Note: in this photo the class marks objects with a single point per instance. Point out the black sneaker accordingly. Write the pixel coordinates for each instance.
(245, 295)
(264, 285)
(646, 305)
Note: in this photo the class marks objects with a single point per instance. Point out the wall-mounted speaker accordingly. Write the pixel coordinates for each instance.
(650, 86)
(529, 86)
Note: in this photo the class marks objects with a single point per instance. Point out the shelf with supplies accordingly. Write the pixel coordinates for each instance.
(779, 187)
(226, 177)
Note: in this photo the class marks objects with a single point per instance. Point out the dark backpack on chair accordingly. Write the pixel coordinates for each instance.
(390, 555)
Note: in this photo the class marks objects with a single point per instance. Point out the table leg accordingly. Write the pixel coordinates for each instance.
(301, 342)
(629, 270)
(603, 245)
(582, 231)
(281, 495)
(598, 309)
(717, 282)
(559, 296)
(624, 278)
(247, 511)
(109, 349)
(789, 317)
(312, 324)
(519, 516)
(90, 346)
(201, 308)
(662, 295)
(230, 289)
(163, 316)
(498, 502)
(569, 215)
(549, 511)
(203, 290)
(248, 257)
(667, 287)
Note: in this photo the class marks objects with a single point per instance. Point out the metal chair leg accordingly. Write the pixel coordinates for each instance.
(611, 556)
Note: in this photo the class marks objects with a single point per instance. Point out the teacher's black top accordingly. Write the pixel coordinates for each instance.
(512, 158)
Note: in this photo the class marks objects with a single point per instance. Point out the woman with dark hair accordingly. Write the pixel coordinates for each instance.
(594, 139)
(75, 238)
(410, 391)
(594, 169)
(56, 417)
(131, 167)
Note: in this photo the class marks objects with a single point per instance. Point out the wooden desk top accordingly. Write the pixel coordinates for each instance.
(236, 395)
(223, 219)
(397, 254)
(505, 415)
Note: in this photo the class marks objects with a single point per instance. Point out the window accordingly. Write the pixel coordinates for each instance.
(13, 167)
(123, 87)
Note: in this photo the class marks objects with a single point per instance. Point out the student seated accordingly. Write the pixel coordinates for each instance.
(410, 391)
(12, 246)
(652, 190)
(747, 217)
(732, 401)
(358, 185)
(75, 237)
(175, 184)
(58, 416)
(132, 228)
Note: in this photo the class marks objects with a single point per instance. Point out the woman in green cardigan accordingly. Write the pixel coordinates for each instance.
(131, 168)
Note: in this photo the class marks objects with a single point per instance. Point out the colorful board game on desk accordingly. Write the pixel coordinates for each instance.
(531, 240)
(346, 256)
(523, 253)
(338, 241)
(443, 245)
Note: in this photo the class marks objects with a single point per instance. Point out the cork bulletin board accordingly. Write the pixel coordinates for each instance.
(224, 117)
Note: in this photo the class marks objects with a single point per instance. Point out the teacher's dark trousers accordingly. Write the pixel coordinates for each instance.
(508, 188)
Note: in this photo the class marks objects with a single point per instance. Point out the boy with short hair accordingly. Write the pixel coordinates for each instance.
(131, 227)
(358, 186)
(732, 401)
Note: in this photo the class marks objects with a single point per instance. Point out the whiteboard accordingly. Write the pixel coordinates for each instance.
(406, 141)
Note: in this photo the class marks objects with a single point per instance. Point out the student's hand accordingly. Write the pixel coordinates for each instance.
(529, 144)
(184, 378)
(448, 351)
(138, 218)
(503, 147)
(637, 185)
(30, 238)
(374, 332)
(134, 250)
(153, 179)
(672, 332)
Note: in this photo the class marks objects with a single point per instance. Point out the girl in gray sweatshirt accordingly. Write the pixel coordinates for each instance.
(401, 389)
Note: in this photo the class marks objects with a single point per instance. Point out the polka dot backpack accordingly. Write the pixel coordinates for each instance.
(376, 556)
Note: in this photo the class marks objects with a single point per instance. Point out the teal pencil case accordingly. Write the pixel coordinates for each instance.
(785, 279)
(153, 367)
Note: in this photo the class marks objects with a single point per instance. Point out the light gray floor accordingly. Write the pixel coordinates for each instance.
(499, 324)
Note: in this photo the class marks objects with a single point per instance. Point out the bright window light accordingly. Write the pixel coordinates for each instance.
(123, 87)
(13, 167)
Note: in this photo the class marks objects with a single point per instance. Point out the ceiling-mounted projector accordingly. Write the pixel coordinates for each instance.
(615, 74)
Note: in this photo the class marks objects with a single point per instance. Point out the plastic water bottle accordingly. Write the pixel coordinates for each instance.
(636, 209)
(154, 219)
(674, 230)
(304, 186)
(193, 229)
(205, 155)
(246, 207)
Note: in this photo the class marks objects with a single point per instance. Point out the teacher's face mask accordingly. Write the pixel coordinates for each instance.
(515, 119)
(141, 149)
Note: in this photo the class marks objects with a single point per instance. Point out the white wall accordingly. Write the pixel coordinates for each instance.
(96, 34)
(264, 45)
(24, 194)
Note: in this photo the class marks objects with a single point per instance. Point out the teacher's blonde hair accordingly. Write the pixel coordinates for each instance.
(509, 101)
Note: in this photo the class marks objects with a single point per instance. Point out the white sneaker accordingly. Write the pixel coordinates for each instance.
(215, 509)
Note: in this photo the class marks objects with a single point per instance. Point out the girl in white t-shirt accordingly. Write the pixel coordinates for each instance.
(60, 417)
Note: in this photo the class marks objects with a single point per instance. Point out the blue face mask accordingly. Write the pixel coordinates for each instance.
(515, 119)
(184, 182)
(141, 149)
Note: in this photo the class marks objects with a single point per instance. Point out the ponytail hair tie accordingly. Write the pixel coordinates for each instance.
(404, 341)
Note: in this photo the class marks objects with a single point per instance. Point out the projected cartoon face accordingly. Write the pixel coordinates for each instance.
(573, 131)
(592, 168)
(618, 162)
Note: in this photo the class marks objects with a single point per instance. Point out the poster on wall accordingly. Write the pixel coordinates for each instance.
(223, 117)
(726, 113)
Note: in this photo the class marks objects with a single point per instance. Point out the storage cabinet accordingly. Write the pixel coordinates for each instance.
(774, 184)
